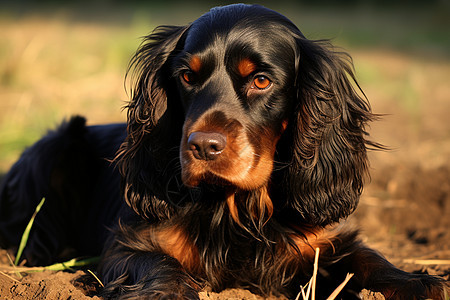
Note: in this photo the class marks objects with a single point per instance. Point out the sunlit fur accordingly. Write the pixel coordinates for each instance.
(294, 163)
(246, 144)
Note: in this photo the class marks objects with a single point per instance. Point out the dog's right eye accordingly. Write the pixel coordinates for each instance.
(188, 76)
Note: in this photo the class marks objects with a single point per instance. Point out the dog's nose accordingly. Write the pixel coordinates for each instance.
(206, 145)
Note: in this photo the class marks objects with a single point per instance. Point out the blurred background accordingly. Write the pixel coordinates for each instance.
(61, 58)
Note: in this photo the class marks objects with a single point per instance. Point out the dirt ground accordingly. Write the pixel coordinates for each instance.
(404, 212)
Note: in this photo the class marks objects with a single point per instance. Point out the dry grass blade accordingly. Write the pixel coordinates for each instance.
(312, 283)
(428, 261)
(340, 287)
(9, 259)
(308, 291)
(26, 233)
(302, 292)
(96, 278)
(6, 275)
(314, 278)
(11, 262)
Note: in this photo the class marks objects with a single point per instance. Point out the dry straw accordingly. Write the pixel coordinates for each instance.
(311, 285)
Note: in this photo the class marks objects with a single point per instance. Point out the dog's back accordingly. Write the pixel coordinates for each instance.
(71, 167)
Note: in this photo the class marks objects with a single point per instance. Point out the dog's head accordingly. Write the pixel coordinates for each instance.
(242, 100)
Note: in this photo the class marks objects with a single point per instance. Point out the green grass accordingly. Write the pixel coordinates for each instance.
(72, 263)
(26, 233)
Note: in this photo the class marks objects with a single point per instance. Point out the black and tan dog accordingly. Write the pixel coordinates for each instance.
(245, 143)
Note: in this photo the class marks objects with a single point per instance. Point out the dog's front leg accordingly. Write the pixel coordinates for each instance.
(342, 252)
(374, 272)
(142, 264)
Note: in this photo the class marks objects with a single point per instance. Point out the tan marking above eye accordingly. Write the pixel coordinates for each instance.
(195, 63)
(246, 67)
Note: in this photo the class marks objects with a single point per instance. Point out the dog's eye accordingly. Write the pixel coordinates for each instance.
(261, 82)
(188, 77)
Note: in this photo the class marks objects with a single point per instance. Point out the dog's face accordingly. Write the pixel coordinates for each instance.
(233, 94)
(237, 91)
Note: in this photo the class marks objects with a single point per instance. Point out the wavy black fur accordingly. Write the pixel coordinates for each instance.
(245, 144)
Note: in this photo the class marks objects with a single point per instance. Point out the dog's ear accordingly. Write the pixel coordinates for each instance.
(327, 137)
(150, 79)
(152, 126)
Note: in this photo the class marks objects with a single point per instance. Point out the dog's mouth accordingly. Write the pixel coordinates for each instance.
(207, 178)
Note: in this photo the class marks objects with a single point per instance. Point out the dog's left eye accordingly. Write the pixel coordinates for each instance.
(188, 77)
(261, 83)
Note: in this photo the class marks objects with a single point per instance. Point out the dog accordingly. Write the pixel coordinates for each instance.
(245, 145)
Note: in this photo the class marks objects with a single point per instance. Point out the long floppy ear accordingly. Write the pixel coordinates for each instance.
(143, 158)
(327, 135)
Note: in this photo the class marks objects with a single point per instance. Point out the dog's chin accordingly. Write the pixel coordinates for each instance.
(213, 180)
(206, 178)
